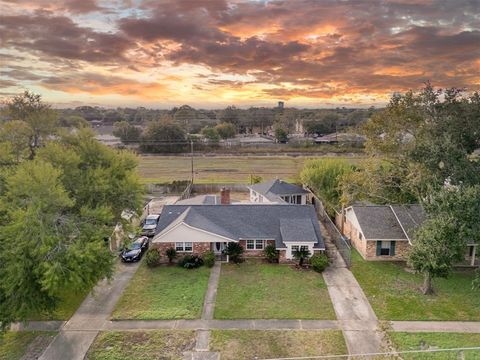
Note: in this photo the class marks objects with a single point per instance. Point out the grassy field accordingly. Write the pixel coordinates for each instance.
(14, 345)
(141, 345)
(228, 170)
(164, 292)
(420, 341)
(395, 294)
(249, 344)
(266, 291)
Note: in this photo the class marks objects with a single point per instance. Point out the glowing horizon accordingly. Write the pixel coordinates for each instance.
(214, 53)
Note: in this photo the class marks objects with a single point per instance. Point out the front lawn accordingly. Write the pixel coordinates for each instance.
(141, 345)
(404, 341)
(15, 345)
(268, 291)
(395, 294)
(250, 344)
(164, 292)
(68, 304)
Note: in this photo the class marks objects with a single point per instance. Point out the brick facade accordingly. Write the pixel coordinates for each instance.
(255, 253)
(198, 249)
(368, 248)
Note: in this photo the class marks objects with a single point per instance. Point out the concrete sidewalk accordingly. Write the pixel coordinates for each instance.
(354, 313)
(78, 333)
(436, 326)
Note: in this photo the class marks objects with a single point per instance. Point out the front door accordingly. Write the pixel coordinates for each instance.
(218, 247)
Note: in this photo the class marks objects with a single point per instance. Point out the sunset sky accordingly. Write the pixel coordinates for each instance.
(213, 53)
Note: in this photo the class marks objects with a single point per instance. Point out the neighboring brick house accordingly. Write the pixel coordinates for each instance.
(381, 232)
(197, 229)
(278, 192)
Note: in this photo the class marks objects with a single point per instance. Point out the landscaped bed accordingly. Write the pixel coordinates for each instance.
(248, 344)
(404, 341)
(395, 293)
(142, 345)
(15, 345)
(254, 290)
(164, 292)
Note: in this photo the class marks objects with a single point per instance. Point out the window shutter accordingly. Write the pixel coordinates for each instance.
(392, 248)
(379, 248)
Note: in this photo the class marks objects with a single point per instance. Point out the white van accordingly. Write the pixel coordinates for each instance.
(150, 225)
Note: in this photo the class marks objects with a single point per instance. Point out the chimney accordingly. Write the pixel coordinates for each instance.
(225, 196)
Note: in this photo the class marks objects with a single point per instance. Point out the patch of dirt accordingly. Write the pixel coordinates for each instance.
(220, 170)
(37, 347)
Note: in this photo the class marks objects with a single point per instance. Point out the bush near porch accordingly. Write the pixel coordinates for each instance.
(163, 292)
(395, 293)
(253, 290)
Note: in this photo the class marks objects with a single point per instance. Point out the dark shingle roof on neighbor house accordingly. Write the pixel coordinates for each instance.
(200, 200)
(389, 222)
(239, 222)
(274, 188)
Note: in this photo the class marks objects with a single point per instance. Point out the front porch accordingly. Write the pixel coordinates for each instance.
(218, 249)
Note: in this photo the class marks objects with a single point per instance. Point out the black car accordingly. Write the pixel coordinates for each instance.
(135, 250)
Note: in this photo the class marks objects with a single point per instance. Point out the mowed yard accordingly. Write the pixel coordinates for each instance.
(164, 292)
(395, 294)
(253, 290)
(221, 170)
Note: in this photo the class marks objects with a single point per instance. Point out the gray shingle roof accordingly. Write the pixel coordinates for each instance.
(200, 200)
(275, 188)
(237, 222)
(384, 222)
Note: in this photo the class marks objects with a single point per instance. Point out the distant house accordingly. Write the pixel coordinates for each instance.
(381, 232)
(278, 192)
(197, 229)
(385, 232)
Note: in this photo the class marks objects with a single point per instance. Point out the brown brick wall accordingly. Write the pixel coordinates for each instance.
(401, 249)
(354, 235)
(198, 249)
(254, 253)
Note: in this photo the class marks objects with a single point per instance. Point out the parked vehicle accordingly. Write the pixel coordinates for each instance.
(135, 250)
(150, 225)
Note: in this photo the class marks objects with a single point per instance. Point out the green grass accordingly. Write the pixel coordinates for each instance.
(395, 294)
(13, 345)
(248, 344)
(164, 292)
(228, 169)
(420, 341)
(266, 291)
(69, 303)
(141, 345)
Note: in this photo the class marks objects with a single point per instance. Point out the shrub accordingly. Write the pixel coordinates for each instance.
(190, 262)
(319, 262)
(152, 257)
(301, 255)
(209, 259)
(171, 254)
(234, 250)
(271, 253)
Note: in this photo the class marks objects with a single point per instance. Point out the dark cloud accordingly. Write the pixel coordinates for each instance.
(82, 6)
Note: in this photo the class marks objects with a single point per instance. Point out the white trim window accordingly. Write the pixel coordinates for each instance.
(255, 244)
(184, 246)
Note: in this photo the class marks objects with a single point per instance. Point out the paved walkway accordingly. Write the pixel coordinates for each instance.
(436, 326)
(77, 334)
(356, 317)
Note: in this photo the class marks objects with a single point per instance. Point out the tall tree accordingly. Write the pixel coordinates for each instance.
(42, 120)
(163, 136)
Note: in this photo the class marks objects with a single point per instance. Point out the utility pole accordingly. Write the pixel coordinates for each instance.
(191, 156)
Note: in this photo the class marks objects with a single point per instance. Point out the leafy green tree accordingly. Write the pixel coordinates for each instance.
(230, 115)
(48, 245)
(271, 253)
(441, 241)
(281, 135)
(42, 120)
(324, 177)
(211, 134)
(163, 136)
(18, 135)
(127, 132)
(226, 130)
(73, 121)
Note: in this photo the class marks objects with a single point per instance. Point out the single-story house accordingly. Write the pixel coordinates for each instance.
(385, 232)
(278, 192)
(381, 232)
(197, 229)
